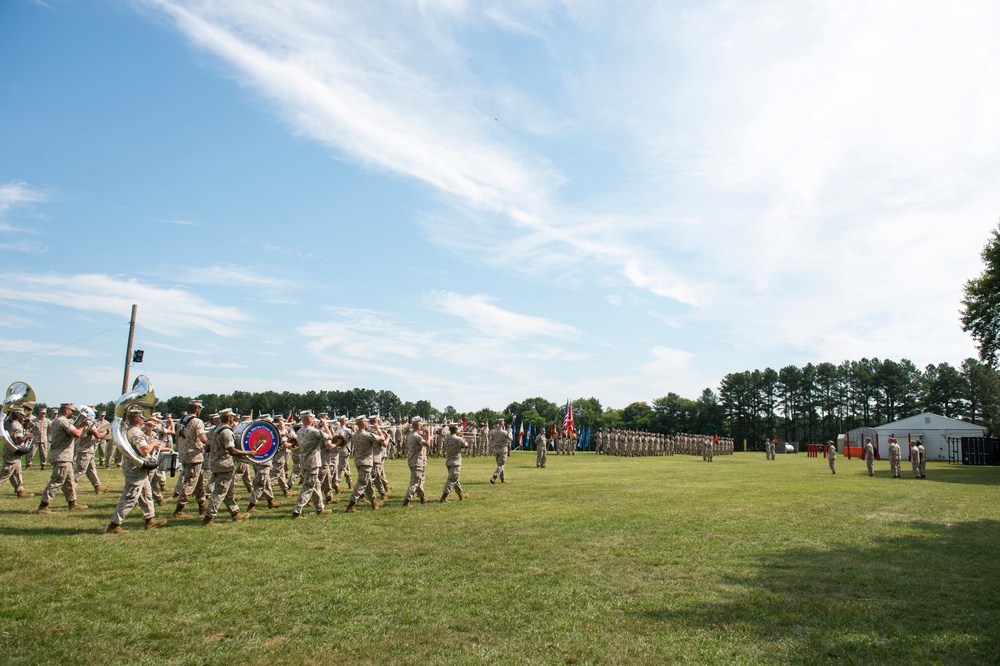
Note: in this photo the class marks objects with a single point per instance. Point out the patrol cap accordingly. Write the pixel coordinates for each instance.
(416, 419)
(304, 413)
(343, 418)
(323, 415)
(67, 405)
(224, 412)
(359, 419)
(194, 403)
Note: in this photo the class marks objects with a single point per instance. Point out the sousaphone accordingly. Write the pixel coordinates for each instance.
(141, 396)
(19, 396)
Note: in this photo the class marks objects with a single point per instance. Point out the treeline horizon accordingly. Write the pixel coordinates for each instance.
(809, 404)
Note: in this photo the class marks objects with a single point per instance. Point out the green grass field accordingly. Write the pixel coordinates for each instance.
(592, 560)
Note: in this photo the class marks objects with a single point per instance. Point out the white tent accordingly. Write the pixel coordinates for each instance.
(933, 429)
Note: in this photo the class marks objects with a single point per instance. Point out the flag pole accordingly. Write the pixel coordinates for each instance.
(128, 349)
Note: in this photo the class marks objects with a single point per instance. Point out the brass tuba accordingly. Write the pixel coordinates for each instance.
(19, 396)
(141, 396)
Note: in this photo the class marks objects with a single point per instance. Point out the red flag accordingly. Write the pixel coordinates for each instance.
(291, 415)
(553, 432)
(715, 438)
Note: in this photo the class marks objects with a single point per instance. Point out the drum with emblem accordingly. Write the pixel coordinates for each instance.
(259, 437)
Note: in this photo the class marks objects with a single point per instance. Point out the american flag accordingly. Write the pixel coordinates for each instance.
(568, 420)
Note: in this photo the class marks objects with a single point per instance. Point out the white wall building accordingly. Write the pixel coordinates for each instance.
(932, 429)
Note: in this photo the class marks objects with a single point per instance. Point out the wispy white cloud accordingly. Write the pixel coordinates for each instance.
(229, 275)
(14, 195)
(30, 347)
(219, 365)
(392, 99)
(480, 313)
(177, 311)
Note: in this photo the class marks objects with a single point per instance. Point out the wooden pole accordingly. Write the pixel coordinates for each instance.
(128, 351)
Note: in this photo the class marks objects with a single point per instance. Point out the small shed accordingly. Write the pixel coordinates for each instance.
(933, 429)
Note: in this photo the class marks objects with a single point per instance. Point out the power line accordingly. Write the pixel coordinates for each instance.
(24, 360)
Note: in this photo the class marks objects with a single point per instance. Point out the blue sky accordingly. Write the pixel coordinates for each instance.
(477, 202)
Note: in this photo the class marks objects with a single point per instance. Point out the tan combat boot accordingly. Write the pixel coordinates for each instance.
(240, 517)
(115, 528)
(271, 504)
(463, 496)
(350, 508)
(153, 523)
(444, 498)
(23, 495)
(406, 503)
(43, 509)
(73, 506)
(100, 490)
(324, 512)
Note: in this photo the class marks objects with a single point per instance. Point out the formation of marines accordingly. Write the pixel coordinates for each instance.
(616, 442)
(313, 453)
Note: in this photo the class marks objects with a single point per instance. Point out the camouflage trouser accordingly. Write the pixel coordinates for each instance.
(916, 468)
(326, 475)
(364, 486)
(278, 471)
(242, 474)
(540, 455)
(833, 465)
(137, 491)
(894, 466)
(85, 466)
(452, 482)
(870, 463)
(501, 461)
(261, 484)
(12, 470)
(379, 481)
(191, 484)
(923, 468)
(416, 487)
(310, 487)
(62, 477)
(43, 451)
(343, 467)
(107, 450)
(222, 493)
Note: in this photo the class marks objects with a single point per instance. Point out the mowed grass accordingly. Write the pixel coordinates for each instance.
(592, 560)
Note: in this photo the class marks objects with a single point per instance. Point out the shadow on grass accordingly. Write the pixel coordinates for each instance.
(966, 474)
(46, 531)
(930, 594)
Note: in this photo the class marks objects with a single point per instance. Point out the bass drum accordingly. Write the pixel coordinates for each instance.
(259, 437)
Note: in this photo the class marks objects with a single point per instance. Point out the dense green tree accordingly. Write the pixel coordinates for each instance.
(981, 304)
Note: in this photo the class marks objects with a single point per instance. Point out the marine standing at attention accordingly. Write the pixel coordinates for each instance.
(831, 454)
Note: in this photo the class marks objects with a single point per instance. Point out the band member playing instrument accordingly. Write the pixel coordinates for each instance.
(62, 437)
(364, 443)
(86, 447)
(191, 439)
(222, 462)
(137, 489)
(12, 459)
(312, 442)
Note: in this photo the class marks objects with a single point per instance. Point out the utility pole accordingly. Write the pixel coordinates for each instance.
(128, 351)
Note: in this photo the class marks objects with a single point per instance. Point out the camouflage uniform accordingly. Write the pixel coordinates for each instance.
(499, 444)
(137, 489)
(191, 451)
(61, 442)
(12, 460)
(312, 440)
(223, 468)
(416, 457)
(541, 449)
(870, 457)
(453, 446)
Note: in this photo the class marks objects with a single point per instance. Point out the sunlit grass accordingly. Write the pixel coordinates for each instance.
(591, 560)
